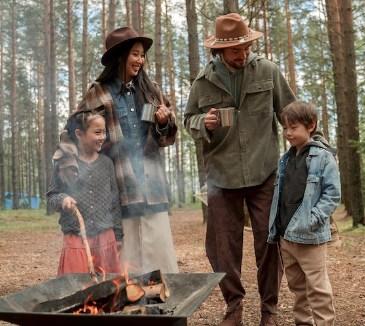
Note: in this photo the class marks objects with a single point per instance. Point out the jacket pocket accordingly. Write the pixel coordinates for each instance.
(209, 101)
(123, 120)
(312, 184)
(259, 97)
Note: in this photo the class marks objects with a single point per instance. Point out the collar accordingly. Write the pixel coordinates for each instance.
(120, 88)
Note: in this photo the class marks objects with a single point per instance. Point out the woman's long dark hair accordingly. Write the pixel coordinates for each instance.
(146, 90)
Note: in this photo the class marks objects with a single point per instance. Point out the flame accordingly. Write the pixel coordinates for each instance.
(89, 308)
(104, 274)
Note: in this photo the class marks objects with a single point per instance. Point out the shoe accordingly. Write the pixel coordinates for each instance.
(268, 319)
(233, 318)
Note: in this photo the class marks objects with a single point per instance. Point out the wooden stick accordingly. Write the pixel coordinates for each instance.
(86, 244)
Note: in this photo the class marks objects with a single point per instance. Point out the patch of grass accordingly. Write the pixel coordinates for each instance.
(27, 220)
(345, 226)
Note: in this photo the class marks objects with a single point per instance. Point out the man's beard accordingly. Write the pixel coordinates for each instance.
(233, 64)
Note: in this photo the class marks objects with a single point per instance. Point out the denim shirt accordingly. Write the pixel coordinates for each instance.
(310, 224)
(132, 127)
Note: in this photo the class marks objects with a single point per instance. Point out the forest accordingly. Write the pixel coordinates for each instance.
(50, 52)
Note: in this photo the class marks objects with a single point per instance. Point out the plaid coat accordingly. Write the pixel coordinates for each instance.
(99, 98)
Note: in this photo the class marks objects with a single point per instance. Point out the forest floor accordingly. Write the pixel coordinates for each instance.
(30, 248)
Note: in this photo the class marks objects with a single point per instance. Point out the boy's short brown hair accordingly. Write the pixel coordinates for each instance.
(300, 112)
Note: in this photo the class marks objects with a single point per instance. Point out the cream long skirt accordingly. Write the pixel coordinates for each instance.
(147, 245)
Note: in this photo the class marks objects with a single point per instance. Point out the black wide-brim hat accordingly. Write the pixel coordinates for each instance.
(119, 37)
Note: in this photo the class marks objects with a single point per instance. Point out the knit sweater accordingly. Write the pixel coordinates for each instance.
(97, 197)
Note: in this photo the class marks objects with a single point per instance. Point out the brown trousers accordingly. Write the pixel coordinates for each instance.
(224, 241)
(306, 272)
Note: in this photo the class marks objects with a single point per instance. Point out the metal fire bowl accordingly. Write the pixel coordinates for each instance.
(187, 292)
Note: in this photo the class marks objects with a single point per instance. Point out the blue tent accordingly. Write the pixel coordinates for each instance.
(22, 201)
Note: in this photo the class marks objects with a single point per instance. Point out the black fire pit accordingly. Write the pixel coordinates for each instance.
(187, 292)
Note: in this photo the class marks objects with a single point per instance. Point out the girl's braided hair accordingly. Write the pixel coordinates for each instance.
(80, 120)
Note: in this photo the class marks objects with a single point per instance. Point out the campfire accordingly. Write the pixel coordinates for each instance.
(120, 295)
(151, 299)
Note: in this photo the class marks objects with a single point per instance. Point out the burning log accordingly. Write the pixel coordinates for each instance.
(147, 280)
(155, 292)
(115, 292)
(134, 292)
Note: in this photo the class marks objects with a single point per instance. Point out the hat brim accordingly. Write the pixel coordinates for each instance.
(146, 41)
(210, 44)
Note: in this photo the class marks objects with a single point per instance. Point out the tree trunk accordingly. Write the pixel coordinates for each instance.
(356, 197)
(71, 67)
(181, 128)
(192, 21)
(157, 41)
(324, 91)
(40, 150)
(136, 15)
(292, 82)
(46, 98)
(14, 116)
(111, 19)
(127, 13)
(2, 167)
(193, 72)
(230, 6)
(84, 47)
(180, 183)
(206, 29)
(103, 24)
(265, 28)
(257, 28)
(279, 64)
(53, 77)
(142, 17)
(192, 159)
(29, 160)
(335, 37)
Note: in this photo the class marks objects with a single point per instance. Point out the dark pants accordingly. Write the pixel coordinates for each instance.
(224, 241)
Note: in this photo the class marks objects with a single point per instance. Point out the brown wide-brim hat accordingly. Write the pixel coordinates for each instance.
(230, 30)
(119, 37)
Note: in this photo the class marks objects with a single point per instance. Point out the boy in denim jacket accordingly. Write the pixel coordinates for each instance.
(307, 191)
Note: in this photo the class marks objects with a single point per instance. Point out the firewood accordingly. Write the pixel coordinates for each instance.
(134, 292)
(152, 278)
(134, 310)
(155, 292)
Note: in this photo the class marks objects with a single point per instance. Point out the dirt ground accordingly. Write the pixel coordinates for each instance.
(31, 257)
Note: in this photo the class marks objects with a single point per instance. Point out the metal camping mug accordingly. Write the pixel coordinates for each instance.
(227, 116)
(148, 112)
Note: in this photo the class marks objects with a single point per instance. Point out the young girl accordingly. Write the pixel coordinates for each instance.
(134, 146)
(96, 196)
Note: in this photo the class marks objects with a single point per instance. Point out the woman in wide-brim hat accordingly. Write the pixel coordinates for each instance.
(120, 92)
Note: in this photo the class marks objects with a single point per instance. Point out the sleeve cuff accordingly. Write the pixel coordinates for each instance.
(165, 130)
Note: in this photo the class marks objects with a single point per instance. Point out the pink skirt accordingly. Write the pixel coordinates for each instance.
(103, 249)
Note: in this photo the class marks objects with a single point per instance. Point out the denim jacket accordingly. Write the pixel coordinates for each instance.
(310, 224)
